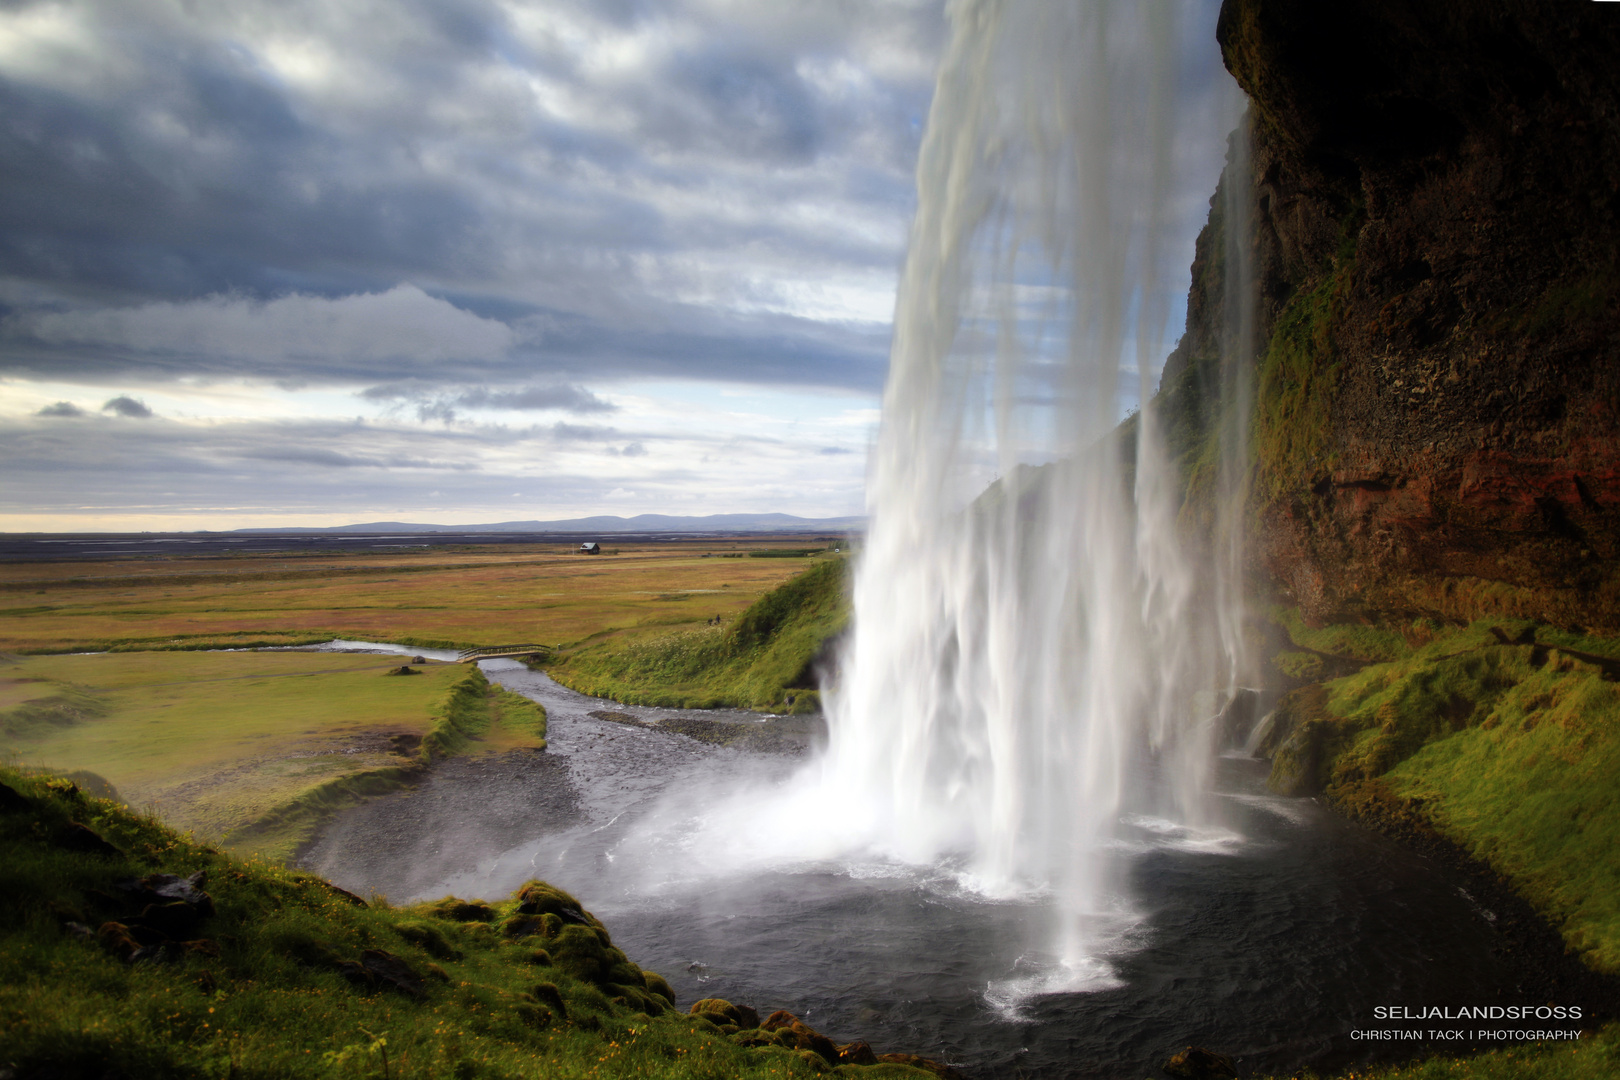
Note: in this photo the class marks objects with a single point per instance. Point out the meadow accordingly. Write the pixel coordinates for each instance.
(444, 598)
(105, 670)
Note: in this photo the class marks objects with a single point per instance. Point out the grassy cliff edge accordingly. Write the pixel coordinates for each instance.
(128, 950)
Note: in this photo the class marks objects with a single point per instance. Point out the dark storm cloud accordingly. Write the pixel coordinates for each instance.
(61, 408)
(634, 179)
(124, 405)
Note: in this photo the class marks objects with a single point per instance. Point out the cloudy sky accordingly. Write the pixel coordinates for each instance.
(323, 261)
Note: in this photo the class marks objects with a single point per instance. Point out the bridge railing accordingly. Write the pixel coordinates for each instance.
(487, 652)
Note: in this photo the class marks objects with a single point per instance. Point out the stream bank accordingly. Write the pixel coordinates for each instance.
(1271, 934)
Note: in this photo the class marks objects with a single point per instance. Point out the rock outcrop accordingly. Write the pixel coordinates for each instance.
(1435, 191)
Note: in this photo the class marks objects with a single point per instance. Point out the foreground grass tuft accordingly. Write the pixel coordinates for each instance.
(126, 949)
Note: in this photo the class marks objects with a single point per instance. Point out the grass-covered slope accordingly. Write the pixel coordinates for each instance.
(1504, 735)
(250, 749)
(128, 951)
(760, 660)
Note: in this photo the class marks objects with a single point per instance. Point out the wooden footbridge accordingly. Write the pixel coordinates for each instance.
(490, 652)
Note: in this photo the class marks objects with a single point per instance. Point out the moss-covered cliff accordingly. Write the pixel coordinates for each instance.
(1432, 195)
(1435, 190)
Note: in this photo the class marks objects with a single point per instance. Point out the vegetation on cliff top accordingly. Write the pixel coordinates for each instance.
(761, 660)
(1504, 735)
(126, 949)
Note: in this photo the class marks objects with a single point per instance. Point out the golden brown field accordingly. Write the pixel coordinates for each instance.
(447, 597)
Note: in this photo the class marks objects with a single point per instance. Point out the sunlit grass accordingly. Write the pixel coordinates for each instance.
(759, 660)
(433, 598)
(1510, 747)
(218, 742)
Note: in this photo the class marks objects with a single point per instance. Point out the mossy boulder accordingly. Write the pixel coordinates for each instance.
(455, 909)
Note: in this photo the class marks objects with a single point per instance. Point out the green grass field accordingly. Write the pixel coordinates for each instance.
(436, 597)
(218, 742)
(251, 748)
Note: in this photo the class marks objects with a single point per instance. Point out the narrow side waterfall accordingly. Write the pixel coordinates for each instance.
(1030, 630)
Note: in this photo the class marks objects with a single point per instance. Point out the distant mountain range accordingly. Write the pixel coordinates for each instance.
(606, 524)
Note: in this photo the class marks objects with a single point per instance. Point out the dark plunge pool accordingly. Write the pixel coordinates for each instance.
(1270, 935)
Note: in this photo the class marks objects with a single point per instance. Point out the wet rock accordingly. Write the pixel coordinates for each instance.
(938, 1068)
(722, 1012)
(76, 837)
(795, 1034)
(856, 1053)
(160, 888)
(1196, 1063)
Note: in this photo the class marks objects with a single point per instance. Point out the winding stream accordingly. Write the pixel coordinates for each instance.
(1269, 935)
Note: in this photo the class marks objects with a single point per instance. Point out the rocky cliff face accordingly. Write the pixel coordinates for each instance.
(1436, 199)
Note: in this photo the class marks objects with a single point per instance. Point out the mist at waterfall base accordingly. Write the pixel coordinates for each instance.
(1021, 846)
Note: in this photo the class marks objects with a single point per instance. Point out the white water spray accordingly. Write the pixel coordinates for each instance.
(1026, 641)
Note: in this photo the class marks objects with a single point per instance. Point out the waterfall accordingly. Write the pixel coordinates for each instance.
(1030, 629)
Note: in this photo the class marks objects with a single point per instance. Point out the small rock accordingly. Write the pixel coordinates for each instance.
(157, 888)
(858, 1052)
(116, 939)
(1196, 1063)
(797, 1035)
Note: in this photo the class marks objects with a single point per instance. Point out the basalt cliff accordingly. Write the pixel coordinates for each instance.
(1431, 195)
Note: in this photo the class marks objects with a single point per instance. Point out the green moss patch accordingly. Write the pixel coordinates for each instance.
(1505, 734)
(127, 949)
